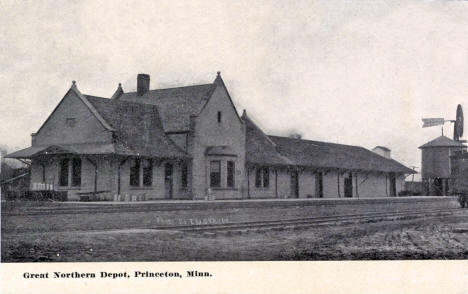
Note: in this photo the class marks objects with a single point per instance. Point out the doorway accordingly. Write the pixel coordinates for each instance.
(348, 186)
(168, 170)
(319, 185)
(392, 185)
(437, 187)
(294, 184)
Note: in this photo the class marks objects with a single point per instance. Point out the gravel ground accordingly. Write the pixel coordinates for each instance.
(431, 238)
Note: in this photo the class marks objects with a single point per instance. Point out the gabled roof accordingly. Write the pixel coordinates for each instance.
(138, 128)
(219, 82)
(75, 90)
(176, 105)
(273, 150)
(260, 149)
(339, 156)
(442, 141)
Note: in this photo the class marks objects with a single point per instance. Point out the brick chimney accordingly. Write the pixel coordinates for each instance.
(382, 151)
(143, 84)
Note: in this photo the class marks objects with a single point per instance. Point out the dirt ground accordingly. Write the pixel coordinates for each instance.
(431, 238)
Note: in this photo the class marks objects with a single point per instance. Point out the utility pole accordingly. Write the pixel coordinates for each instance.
(414, 169)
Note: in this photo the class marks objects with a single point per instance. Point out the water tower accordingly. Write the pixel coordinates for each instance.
(436, 162)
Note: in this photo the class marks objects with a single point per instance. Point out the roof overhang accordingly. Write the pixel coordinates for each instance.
(26, 153)
(87, 149)
(56, 149)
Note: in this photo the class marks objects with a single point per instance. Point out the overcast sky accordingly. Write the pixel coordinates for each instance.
(353, 72)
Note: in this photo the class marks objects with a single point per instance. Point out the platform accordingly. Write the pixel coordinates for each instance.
(161, 213)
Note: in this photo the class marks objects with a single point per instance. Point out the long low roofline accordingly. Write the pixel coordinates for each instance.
(284, 151)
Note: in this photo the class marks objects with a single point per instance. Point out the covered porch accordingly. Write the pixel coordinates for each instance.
(96, 172)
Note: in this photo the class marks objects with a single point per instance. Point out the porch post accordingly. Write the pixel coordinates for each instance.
(276, 182)
(248, 182)
(120, 163)
(386, 184)
(339, 192)
(357, 191)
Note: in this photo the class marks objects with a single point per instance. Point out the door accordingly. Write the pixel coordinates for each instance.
(294, 184)
(392, 185)
(348, 187)
(319, 185)
(168, 180)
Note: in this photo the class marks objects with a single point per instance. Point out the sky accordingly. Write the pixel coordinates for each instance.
(351, 72)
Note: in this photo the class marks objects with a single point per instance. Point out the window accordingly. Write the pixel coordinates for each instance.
(135, 173)
(230, 174)
(266, 177)
(219, 116)
(184, 175)
(262, 177)
(147, 172)
(76, 172)
(258, 177)
(144, 168)
(63, 181)
(70, 122)
(70, 172)
(215, 174)
(168, 172)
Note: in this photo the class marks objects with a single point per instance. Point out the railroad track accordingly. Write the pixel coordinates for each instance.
(316, 221)
(286, 224)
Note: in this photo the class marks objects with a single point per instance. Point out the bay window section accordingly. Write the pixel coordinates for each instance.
(230, 174)
(215, 174)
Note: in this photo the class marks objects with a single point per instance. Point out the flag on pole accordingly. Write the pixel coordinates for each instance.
(432, 122)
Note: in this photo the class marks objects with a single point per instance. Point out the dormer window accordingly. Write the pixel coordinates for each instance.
(219, 116)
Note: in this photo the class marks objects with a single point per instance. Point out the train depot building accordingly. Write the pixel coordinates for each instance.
(191, 143)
